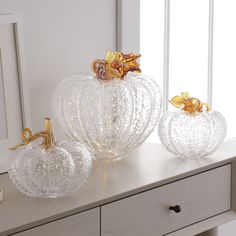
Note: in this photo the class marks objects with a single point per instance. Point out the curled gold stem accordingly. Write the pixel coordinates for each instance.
(46, 134)
(116, 65)
(189, 104)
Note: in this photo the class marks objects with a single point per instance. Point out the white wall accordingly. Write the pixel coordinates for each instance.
(61, 38)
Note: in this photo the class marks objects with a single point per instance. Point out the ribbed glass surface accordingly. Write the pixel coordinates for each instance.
(56, 172)
(111, 117)
(192, 135)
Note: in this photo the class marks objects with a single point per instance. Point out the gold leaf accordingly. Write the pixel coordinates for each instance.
(177, 101)
(112, 56)
(113, 72)
(206, 107)
(185, 95)
(189, 104)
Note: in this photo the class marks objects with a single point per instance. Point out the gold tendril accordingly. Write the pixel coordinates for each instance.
(46, 134)
(116, 65)
(189, 104)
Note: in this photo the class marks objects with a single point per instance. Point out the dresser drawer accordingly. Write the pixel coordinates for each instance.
(148, 214)
(82, 224)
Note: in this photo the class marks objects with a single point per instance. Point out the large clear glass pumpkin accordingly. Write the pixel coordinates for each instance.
(192, 135)
(57, 172)
(111, 117)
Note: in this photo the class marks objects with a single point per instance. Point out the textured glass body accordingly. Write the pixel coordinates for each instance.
(112, 117)
(56, 172)
(192, 135)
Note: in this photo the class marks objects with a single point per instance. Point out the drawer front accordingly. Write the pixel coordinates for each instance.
(200, 196)
(82, 224)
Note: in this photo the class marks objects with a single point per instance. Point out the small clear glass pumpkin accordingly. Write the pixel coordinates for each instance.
(112, 117)
(192, 135)
(57, 171)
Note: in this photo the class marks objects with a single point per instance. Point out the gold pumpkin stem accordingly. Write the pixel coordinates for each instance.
(116, 65)
(189, 104)
(48, 140)
(46, 134)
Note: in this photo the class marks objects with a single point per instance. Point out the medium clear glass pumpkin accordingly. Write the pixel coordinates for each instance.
(192, 135)
(112, 117)
(56, 172)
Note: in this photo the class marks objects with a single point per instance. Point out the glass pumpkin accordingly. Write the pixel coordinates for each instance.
(112, 117)
(192, 135)
(52, 172)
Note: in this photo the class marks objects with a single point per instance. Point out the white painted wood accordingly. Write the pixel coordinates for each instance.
(128, 26)
(189, 48)
(1, 195)
(11, 92)
(125, 6)
(3, 115)
(209, 61)
(224, 67)
(210, 52)
(166, 56)
(82, 224)
(150, 166)
(149, 212)
(22, 72)
(233, 186)
(15, 84)
(16, 20)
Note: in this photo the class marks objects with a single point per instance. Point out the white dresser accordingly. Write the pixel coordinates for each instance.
(149, 193)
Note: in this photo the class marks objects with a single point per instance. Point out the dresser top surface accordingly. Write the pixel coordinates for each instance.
(148, 167)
